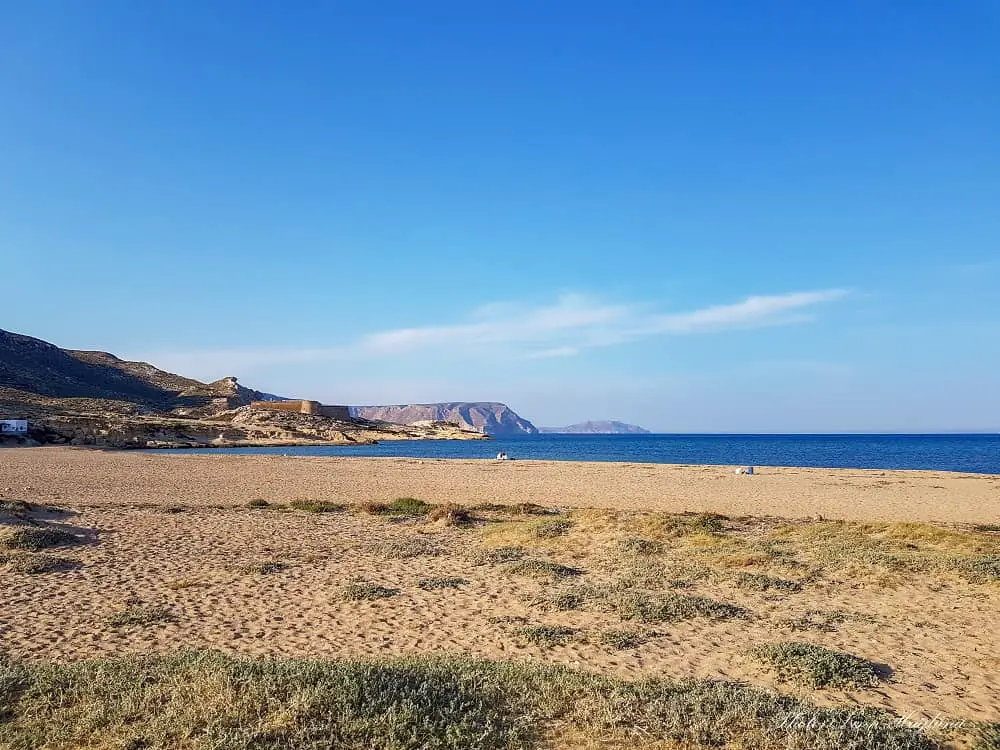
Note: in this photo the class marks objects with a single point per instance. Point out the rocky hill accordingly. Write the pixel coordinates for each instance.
(95, 398)
(608, 427)
(486, 417)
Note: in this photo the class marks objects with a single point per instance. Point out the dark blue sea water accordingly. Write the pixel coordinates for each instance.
(970, 453)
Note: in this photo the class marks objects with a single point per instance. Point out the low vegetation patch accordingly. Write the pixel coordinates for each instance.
(37, 537)
(360, 590)
(638, 546)
(137, 613)
(38, 564)
(19, 508)
(212, 700)
(546, 635)
(414, 546)
(545, 568)
(258, 503)
(429, 584)
(985, 569)
(451, 514)
(683, 524)
(499, 555)
(316, 506)
(621, 639)
(553, 528)
(759, 582)
(265, 568)
(408, 506)
(817, 667)
(987, 528)
(671, 607)
(172, 509)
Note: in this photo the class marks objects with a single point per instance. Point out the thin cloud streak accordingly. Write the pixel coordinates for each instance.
(570, 325)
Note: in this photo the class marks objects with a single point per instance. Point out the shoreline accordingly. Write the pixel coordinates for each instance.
(83, 475)
(214, 450)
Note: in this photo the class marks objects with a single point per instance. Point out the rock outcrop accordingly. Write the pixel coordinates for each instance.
(486, 417)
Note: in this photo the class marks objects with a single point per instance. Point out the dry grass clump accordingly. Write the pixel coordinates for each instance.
(430, 584)
(451, 514)
(407, 547)
(540, 568)
(552, 528)
(258, 503)
(174, 509)
(621, 639)
(546, 635)
(214, 700)
(316, 506)
(137, 613)
(37, 537)
(373, 508)
(671, 607)
(360, 590)
(817, 667)
(39, 564)
(760, 582)
(684, 524)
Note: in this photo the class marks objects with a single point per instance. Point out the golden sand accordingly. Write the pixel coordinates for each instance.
(175, 532)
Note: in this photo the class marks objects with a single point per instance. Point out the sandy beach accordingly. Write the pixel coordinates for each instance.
(95, 477)
(176, 533)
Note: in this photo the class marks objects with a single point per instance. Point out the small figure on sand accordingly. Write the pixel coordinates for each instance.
(745, 470)
(501, 456)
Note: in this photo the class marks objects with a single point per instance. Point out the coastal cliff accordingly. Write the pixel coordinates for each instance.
(486, 417)
(76, 397)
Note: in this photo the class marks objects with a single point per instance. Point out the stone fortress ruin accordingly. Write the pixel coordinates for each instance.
(303, 406)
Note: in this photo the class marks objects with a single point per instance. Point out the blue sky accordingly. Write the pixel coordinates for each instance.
(724, 216)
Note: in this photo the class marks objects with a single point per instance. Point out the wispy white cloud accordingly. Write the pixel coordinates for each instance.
(569, 325)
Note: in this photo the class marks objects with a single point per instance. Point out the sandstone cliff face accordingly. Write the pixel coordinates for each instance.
(486, 417)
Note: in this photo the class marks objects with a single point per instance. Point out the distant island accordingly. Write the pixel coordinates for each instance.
(609, 427)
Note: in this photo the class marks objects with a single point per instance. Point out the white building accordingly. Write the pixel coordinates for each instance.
(13, 426)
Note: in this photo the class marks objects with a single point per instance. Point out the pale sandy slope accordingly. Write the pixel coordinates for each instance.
(89, 476)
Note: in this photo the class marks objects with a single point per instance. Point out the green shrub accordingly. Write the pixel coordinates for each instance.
(408, 506)
(817, 667)
(546, 635)
(670, 607)
(359, 590)
(316, 506)
(37, 537)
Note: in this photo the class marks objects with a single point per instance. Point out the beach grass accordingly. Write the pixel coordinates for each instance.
(212, 700)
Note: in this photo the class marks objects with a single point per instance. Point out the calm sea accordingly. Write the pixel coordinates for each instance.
(970, 453)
